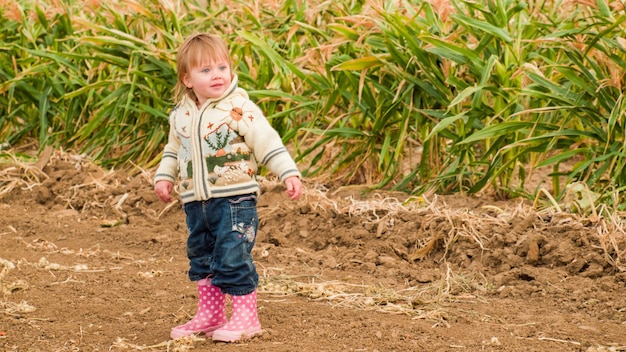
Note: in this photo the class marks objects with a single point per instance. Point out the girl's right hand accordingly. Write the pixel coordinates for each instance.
(163, 190)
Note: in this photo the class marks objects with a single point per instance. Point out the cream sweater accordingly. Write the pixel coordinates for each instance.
(213, 150)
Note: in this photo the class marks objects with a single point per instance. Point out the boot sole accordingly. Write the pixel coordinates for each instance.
(178, 333)
(232, 336)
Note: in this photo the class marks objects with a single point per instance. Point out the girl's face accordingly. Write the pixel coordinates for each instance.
(209, 80)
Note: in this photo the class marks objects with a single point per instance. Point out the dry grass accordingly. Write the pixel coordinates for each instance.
(433, 302)
(16, 172)
(378, 209)
(182, 344)
(425, 302)
(6, 288)
(428, 301)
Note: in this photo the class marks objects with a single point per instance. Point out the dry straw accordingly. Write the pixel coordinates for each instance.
(183, 344)
(424, 302)
(6, 288)
(378, 209)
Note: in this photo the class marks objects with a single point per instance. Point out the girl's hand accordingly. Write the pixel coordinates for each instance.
(294, 187)
(163, 190)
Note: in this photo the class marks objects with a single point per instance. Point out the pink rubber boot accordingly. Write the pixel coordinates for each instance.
(244, 323)
(211, 313)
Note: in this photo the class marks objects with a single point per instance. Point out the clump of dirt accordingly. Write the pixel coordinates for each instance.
(91, 260)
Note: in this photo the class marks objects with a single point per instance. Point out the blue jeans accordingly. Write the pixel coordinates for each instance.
(222, 233)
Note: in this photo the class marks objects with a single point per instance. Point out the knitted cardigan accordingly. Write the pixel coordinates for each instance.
(213, 150)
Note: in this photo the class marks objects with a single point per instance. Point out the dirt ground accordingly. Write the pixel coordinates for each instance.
(91, 261)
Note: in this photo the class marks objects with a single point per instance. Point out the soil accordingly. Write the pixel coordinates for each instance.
(90, 260)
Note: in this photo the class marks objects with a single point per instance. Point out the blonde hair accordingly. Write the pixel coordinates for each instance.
(196, 50)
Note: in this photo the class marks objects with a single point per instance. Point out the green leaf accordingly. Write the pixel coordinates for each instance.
(358, 64)
(483, 26)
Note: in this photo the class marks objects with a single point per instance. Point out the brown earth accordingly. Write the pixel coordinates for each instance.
(91, 261)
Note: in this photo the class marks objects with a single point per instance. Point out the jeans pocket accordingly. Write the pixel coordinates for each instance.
(244, 216)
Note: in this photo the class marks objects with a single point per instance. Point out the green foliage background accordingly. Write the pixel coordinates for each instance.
(416, 96)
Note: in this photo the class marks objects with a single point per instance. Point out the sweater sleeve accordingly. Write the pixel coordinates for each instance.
(168, 168)
(267, 145)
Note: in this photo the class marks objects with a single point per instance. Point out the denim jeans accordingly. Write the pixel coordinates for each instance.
(222, 233)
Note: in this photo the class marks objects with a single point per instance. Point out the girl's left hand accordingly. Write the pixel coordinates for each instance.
(294, 187)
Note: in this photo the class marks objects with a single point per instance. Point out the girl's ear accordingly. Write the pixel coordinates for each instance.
(187, 81)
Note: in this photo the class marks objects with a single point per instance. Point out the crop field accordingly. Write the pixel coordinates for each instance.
(463, 169)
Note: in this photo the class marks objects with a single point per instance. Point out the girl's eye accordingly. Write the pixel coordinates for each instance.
(206, 70)
(223, 68)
